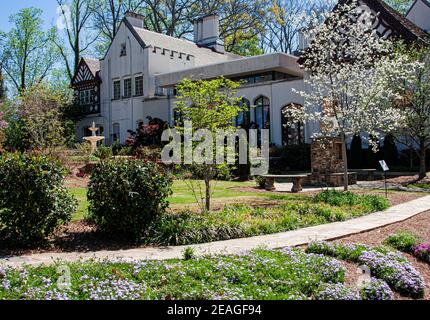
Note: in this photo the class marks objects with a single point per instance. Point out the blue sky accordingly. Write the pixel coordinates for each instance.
(9, 7)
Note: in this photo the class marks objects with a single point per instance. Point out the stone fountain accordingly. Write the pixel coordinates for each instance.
(94, 138)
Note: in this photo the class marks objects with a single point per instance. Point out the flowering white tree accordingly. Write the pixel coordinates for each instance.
(416, 131)
(350, 70)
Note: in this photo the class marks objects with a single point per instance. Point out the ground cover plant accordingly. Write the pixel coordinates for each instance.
(402, 240)
(409, 243)
(425, 186)
(241, 221)
(383, 263)
(369, 203)
(261, 274)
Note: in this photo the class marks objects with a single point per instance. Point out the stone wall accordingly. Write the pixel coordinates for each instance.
(327, 163)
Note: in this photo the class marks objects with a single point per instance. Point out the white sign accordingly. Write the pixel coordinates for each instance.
(384, 165)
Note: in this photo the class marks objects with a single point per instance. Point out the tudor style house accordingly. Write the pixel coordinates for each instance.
(137, 77)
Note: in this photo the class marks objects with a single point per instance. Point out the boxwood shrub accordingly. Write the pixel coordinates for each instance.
(33, 200)
(125, 196)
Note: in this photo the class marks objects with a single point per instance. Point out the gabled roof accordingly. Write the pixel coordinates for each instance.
(88, 70)
(202, 55)
(93, 65)
(401, 25)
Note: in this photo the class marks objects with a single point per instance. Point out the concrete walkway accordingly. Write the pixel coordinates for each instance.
(291, 238)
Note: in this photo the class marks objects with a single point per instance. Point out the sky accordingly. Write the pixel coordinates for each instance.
(9, 7)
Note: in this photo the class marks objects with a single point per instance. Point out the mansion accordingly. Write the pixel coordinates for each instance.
(136, 79)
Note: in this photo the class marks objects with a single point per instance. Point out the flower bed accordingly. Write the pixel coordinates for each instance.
(262, 274)
(386, 265)
(409, 243)
(422, 251)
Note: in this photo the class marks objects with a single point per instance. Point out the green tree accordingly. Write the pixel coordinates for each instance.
(27, 51)
(40, 110)
(209, 105)
(416, 102)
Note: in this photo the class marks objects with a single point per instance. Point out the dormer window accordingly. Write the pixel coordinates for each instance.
(123, 50)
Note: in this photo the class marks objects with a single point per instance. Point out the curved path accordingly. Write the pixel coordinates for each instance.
(291, 238)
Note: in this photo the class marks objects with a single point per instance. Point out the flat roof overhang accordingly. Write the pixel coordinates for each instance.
(241, 67)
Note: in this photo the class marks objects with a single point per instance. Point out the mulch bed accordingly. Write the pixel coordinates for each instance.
(419, 225)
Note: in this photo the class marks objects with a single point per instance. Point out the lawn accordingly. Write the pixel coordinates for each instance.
(81, 195)
(182, 195)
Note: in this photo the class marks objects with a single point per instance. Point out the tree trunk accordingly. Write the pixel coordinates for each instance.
(208, 193)
(345, 163)
(423, 169)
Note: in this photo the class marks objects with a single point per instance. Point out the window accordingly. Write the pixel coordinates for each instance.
(138, 86)
(243, 119)
(85, 97)
(117, 90)
(123, 50)
(127, 88)
(159, 91)
(116, 132)
(262, 113)
(293, 133)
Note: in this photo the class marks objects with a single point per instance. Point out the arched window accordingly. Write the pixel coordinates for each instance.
(243, 119)
(262, 112)
(293, 133)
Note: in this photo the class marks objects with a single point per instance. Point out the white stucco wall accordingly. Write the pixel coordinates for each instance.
(420, 15)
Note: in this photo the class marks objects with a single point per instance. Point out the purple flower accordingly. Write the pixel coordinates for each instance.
(376, 290)
(337, 291)
(422, 251)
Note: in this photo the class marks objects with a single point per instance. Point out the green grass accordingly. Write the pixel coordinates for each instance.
(241, 221)
(81, 195)
(221, 189)
(420, 186)
(183, 196)
(262, 274)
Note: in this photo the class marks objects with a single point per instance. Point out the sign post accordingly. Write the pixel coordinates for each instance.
(384, 167)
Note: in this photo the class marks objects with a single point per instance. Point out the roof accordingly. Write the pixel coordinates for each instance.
(400, 26)
(93, 65)
(405, 26)
(281, 62)
(202, 55)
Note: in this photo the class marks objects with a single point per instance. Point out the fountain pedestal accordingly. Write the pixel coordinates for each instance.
(94, 138)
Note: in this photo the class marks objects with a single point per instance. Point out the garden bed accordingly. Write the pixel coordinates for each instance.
(288, 274)
(419, 225)
(232, 222)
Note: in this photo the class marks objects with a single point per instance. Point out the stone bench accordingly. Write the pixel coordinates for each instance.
(296, 178)
(370, 173)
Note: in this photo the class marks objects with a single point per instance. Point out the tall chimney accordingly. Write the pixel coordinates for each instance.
(206, 33)
(135, 19)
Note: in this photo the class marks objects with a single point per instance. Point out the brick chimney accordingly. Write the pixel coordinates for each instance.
(135, 19)
(206, 33)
